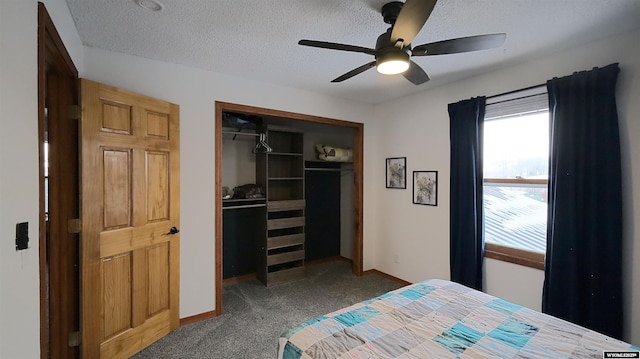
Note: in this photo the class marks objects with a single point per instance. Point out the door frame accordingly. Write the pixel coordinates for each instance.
(358, 152)
(52, 56)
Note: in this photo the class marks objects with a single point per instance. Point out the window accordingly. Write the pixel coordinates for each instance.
(516, 165)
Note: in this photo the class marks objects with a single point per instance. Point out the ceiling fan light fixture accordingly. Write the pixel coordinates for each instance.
(392, 62)
(393, 67)
(393, 51)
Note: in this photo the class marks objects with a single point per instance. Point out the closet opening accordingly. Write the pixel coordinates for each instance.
(283, 200)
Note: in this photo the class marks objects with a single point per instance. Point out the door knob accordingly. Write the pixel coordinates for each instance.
(173, 230)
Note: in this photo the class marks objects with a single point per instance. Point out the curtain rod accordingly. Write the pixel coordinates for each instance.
(514, 91)
(513, 99)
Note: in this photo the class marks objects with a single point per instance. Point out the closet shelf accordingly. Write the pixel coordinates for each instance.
(244, 206)
(236, 202)
(285, 154)
(322, 169)
(286, 205)
(285, 241)
(285, 257)
(233, 200)
(282, 223)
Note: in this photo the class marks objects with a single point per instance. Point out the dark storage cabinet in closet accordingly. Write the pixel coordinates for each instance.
(244, 225)
(322, 194)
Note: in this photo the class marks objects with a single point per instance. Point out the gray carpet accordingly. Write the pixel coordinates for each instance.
(254, 316)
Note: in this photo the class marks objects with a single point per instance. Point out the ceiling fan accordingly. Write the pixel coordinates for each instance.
(393, 50)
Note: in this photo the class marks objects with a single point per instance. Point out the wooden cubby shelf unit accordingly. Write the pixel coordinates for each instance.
(281, 257)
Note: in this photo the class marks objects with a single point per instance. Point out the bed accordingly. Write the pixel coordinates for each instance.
(441, 319)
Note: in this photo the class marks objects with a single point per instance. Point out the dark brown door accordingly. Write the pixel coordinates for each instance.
(59, 193)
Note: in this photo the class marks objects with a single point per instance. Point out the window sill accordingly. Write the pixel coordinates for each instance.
(514, 255)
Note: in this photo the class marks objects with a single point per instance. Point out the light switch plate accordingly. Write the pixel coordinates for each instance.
(22, 236)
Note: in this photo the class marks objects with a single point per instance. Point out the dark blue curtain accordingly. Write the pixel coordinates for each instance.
(466, 217)
(583, 271)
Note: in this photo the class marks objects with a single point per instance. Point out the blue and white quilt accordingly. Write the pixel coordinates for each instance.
(442, 319)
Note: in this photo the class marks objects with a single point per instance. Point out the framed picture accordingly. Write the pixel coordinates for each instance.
(397, 172)
(425, 187)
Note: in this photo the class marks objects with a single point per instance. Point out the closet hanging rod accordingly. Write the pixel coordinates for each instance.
(241, 133)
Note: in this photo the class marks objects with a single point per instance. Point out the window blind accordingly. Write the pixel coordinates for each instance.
(517, 103)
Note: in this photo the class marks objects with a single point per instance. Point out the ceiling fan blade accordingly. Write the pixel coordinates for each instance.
(415, 74)
(335, 46)
(411, 19)
(354, 72)
(462, 44)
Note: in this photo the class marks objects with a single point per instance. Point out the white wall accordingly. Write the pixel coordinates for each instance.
(238, 161)
(19, 302)
(19, 271)
(419, 235)
(196, 91)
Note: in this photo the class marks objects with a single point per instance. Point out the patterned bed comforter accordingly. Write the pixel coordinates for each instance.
(442, 319)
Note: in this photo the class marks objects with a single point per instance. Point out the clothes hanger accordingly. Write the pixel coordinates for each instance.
(262, 145)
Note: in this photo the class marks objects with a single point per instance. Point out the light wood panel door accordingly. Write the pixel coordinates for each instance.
(130, 159)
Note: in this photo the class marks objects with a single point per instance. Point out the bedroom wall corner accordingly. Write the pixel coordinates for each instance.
(411, 239)
(62, 19)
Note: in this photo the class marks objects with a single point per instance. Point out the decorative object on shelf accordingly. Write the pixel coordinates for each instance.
(241, 122)
(334, 154)
(248, 191)
(396, 172)
(226, 192)
(425, 187)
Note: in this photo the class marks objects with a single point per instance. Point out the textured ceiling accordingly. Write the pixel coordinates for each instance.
(257, 39)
